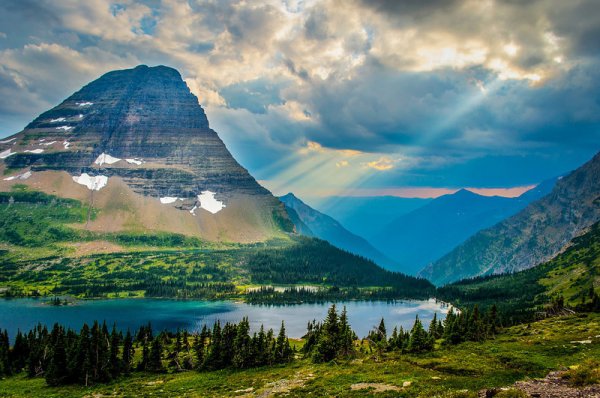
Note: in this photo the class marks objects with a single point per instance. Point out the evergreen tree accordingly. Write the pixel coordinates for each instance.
(5, 365)
(419, 340)
(128, 351)
(114, 361)
(283, 351)
(346, 335)
(328, 345)
(155, 358)
(57, 369)
(242, 345)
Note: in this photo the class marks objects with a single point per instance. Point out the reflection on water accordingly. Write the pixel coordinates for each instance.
(25, 313)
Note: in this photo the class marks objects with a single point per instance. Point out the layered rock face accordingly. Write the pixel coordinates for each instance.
(144, 127)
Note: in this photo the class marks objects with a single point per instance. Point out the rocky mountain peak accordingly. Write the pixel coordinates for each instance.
(144, 127)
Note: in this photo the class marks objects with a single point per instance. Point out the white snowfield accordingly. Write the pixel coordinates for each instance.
(7, 153)
(169, 199)
(135, 161)
(84, 103)
(80, 116)
(106, 158)
(67, 144)
(36, 151)
(64, 128)
(60, 119)
(193, 211)
(7, 141)
(94, 183)
(23, 176)
(49, 143)
(208, 202)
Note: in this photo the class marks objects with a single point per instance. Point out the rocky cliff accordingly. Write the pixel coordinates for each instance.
(136, 142)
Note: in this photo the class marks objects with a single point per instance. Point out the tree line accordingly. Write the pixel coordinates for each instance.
(97, 355)
(334, 339)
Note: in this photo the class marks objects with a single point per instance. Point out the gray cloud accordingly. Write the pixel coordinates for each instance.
(444, 84)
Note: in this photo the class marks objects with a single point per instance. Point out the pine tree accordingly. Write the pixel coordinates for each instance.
(242, 357)
(419, 340)
(328, 345)
(283, 351)
(19, 353)
(114, 361)
(5, 365)
(57, 370)
(128, 351)
(198, 348)
(346, 335)
(155, 358)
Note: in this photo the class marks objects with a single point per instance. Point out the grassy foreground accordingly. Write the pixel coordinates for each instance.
(524, 351)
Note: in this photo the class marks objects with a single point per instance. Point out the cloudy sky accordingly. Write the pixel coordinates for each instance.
(328, 97)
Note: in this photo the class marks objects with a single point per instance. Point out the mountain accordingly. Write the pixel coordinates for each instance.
(427, 233)
(317, 224)
(572, 274)
(366, 216)
(532, 236)
(137, 147)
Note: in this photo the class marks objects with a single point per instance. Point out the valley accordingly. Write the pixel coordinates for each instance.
(122, 209)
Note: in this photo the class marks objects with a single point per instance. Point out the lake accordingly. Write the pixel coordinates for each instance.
(25, 313)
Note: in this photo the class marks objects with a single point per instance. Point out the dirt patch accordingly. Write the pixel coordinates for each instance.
(375, 387)
(282, 386)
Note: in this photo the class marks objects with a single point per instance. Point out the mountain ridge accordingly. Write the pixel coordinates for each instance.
(530, 237)
(434, 229)
(322, 226)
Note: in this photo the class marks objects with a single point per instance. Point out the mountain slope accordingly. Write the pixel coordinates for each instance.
(427, 233)
(324, 227)
(136, 145)
(571, 274)
(534, 235)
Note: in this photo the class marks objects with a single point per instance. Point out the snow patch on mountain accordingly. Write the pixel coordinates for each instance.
(64, 128)
(106, 158)
(23, 176)
(36, 151)
(169, 199)
(209, 203)
(135, 161)
(7, 153)
(94, 183)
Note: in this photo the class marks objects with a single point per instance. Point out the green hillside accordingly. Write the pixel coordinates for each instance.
(572, 275)
(39, 234)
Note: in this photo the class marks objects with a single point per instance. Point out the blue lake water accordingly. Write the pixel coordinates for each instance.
(25, 313)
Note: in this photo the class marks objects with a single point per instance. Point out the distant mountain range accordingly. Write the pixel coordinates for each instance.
(534, 235)
(424, 235)
(367, 216)
(311, 222)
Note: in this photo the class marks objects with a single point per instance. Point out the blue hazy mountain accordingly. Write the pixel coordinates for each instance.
(424, 235)
(366, 216)
(311, 222)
